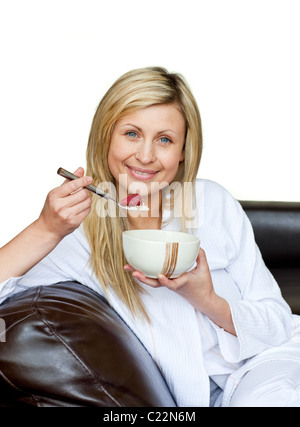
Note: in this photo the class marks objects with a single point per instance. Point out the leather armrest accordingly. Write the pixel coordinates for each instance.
(66, 347)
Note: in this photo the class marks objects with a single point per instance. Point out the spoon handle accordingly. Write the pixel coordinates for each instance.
(66, 174)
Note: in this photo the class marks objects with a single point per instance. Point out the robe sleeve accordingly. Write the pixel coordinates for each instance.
(262, 319)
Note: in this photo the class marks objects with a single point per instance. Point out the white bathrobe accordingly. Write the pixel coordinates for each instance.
(187, 346)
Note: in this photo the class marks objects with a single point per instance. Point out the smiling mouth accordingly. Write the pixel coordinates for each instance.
(142, 173)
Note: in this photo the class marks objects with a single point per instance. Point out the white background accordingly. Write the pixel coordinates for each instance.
(240, 58)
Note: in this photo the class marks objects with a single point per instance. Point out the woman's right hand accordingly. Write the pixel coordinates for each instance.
(66, 207)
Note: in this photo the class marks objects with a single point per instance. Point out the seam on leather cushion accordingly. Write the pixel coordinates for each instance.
(57, 335)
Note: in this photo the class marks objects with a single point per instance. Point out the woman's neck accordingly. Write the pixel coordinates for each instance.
(144, 223)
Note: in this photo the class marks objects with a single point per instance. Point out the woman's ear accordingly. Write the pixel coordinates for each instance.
(182, 155)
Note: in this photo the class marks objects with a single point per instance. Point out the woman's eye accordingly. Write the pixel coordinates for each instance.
(165, 140)
(131, 134)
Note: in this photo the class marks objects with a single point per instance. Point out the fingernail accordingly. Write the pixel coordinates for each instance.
(89, 179)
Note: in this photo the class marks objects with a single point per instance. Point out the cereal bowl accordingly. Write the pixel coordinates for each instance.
(155, 252)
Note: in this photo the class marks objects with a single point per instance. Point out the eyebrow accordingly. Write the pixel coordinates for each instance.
(140, 130)
(132, 125)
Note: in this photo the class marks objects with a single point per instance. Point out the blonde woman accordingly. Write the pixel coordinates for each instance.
(219, 331)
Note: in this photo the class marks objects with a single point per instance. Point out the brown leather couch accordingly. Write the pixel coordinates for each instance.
(66, 347)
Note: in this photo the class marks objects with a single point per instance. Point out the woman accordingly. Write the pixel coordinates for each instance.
(216, 331)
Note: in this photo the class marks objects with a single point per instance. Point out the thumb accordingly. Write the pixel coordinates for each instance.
(79, 172)
(201, 261)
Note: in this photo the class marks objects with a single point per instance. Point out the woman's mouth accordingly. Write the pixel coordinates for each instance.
(141, 174)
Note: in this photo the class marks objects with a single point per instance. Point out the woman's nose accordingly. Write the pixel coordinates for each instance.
(146, 153)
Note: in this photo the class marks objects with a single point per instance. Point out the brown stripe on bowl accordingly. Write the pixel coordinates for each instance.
(171, 257)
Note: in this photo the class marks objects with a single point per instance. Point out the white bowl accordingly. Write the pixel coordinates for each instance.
(155, 252)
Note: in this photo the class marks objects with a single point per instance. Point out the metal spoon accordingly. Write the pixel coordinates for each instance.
(66, 174)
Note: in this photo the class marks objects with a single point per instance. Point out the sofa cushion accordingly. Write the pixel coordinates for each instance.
(288, 280)
(276, 228)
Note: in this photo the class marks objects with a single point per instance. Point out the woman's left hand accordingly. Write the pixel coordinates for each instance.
(196, 286)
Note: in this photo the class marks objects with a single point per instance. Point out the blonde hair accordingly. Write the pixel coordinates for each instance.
(135, 90)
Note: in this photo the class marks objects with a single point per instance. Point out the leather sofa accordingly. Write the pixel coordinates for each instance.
(276, 227)
(65, 347)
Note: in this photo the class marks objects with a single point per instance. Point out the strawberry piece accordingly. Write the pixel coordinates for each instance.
(132, 200)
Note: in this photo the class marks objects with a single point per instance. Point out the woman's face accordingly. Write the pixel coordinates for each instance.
(146, 148)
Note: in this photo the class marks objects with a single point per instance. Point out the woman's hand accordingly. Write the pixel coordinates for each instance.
(193, 285)
(66, 207)
(197, 288)
(64, 210)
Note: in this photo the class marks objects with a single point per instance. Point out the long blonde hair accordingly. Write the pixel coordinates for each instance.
(135, 90)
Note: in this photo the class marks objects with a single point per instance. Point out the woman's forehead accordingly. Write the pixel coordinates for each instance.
(164, 116)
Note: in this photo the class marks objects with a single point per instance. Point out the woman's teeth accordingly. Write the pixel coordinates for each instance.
(141, 173)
